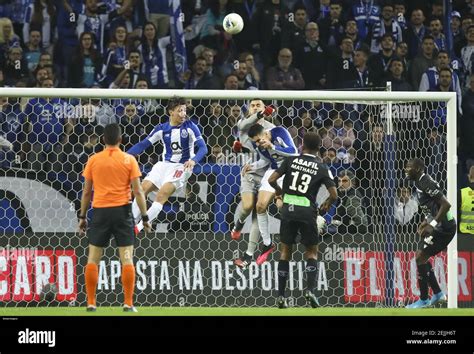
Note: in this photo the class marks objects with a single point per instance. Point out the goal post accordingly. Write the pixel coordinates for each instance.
(215, 246)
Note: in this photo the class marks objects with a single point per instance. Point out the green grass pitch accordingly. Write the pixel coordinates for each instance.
(206, 311)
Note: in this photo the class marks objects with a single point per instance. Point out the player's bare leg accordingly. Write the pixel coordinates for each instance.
(147, 187)
(128, 277)
(283, 270)
(263, 201)
(92, 275)
(247, 205)
(161, 198)
(311, 270)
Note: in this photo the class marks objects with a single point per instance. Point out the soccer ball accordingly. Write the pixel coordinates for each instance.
(233, 23)
(322, 225)
(48, 293)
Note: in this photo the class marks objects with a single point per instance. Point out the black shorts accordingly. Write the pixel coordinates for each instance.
(300, 220)
(437, 242)
(116, 221)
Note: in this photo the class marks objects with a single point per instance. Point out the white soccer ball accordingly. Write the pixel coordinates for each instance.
(322, 225)
(233, 23)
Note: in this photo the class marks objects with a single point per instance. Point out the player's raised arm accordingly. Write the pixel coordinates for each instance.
(155, 136)
(200, 143)
(244, 124)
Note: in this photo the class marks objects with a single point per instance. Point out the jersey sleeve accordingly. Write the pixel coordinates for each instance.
(284, 166)
(430, 187)
(328, 178)
(134, 169)
(87, 174)
(243, 125)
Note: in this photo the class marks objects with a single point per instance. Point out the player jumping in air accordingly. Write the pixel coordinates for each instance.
(250, 180)
(273, 146)
(170, 175)
(303, 176)
(437, 231)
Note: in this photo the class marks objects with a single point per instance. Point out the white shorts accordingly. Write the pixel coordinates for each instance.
(164, 172)
(265, 186)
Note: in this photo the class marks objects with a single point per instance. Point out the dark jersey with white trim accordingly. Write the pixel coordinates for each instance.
(428, 191)
(304, 175)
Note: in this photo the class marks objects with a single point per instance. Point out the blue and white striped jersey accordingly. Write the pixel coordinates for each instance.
(283, 147)
(178, 142)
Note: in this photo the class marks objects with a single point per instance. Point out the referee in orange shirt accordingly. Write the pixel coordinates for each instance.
(110, 173)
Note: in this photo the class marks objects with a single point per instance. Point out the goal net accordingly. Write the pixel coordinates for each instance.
(366, 253)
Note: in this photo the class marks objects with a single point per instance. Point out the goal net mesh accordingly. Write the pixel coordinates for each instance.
(366, 253)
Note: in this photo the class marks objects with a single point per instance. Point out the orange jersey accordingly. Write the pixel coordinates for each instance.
(111, 172)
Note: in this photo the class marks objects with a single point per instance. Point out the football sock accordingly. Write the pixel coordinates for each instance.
(253, 237)
(423, 274)
(432, 281)
(92, 277)
(128, 283)
(152, 214)
(283, 270)
(311, 271)
(263, 226)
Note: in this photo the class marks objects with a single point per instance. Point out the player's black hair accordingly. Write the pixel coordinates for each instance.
(311, 141)
(112, 134)
(255, 130)
(418, 163)
(256, 99)
(174, 102)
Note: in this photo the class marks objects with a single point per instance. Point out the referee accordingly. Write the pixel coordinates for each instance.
(110, 173)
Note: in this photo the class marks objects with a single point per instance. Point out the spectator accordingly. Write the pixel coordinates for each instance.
(323, 11)
(466, 124)
(15, 67)
(294, 32)
(231, 82)
(310, 59)
(115, 57)
(158, 12)
(213, 69)
(305, 125)
(12, 123)
(154, 57)
(284, 76)
(416, 33)
(253, 74)
(331, 27)
(249, 40)
(216, 156)
(340, 134)
(429, 80)
(330, 156)
(401, 52)
(352, 31)
(273, 14)
(216, 127)
(350, 214)
(194, 214)
(199, 78)
(131, 122)
(465, 205)
(245, 79)
(380, 62)
(41, 16)
(467, 52)
(396, 76)
(423, 61)
(135, 63)
(436, 30)
(122, 81)
(39, 75)
(8, 38)
(387, 25)
(359, 74)
(406, 211)
(84, 68)
(212, 33)
(459, 40)
(400, 11)
(33, 50)
(366, 14)
(92, 22)
(341, 64)
(437, 9)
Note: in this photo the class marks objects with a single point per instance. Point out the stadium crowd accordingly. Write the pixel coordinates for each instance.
(285, 45)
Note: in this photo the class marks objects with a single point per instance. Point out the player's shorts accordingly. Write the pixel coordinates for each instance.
(298, 220)
(438, 241)
(265, 186)
(250, 183)
(116, 221)
(164, 172)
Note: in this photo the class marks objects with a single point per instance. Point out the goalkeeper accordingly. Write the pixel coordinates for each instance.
(304, 175)
(250, 180)
(437, 231)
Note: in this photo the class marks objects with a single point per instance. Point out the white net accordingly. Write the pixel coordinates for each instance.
(366, 255)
